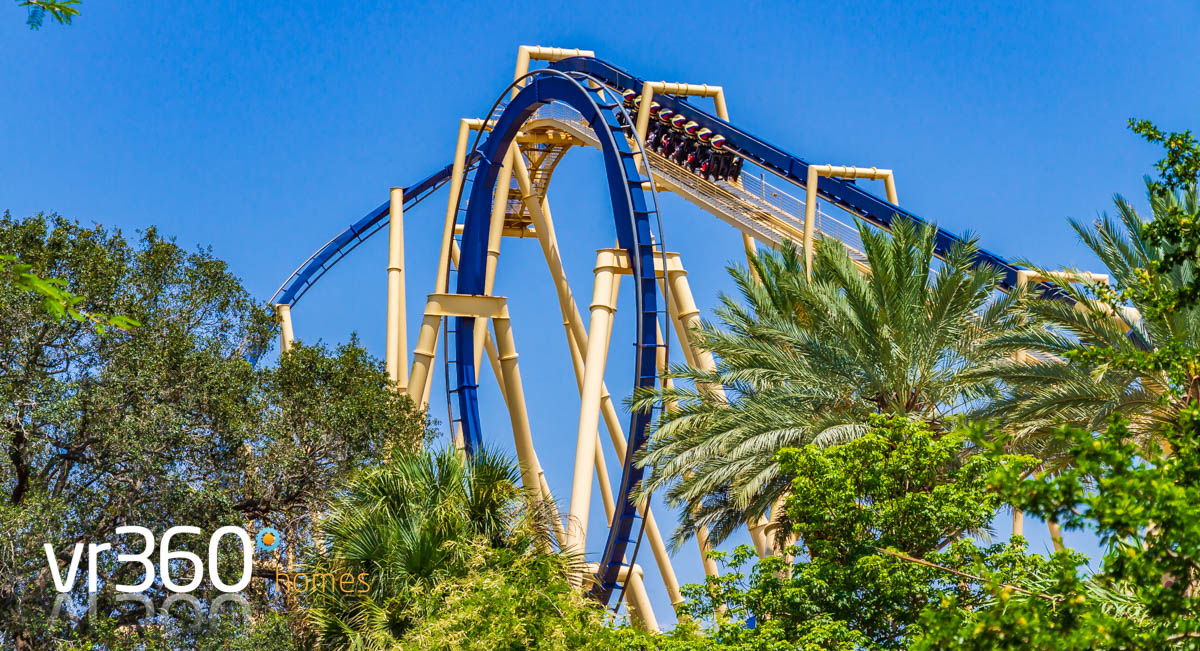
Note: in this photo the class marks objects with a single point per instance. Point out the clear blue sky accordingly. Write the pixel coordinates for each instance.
(263, 128)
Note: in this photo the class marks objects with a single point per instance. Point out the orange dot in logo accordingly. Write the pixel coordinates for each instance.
(268, 539)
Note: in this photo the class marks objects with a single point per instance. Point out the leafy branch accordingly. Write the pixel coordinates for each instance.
(62, 11)
(1180, 167)
(1176, 232)
(56, 300)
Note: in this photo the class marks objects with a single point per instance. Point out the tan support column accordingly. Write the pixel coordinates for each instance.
(606, 493)
(689, 318)
(771, 535)
(617, 436)
(423, 355)
(889, 186)
(810, 217)
(636, 598)
(589, 410)
(514, 399)
(397, 327)
(456, 179)
(751, 248)
(515, 394)
(649, 88)
(1055, 535)
(759, 537)
(419, 383)
(527, 53)
(286, 336)
(815, 172)
(441, 285)
(643, 120)
(640, 601)
(612, 316)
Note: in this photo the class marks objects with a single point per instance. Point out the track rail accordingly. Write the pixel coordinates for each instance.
(321, 261)
(839, 192)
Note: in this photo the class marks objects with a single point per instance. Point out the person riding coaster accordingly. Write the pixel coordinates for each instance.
(682, 140)
(654, 129)
(721, 158)
(673, 137)
(694, 146)
(665, 140)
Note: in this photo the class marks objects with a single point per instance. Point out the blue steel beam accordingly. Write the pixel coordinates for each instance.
(346, 241)
(840, 192)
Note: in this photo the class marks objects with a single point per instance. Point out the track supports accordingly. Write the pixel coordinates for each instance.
(531, 469)
(286, 336)
(649, 89)
(396, 357)
(841, 171)
(577, 341)
(527, 53)
(495, 234)
(595, 358)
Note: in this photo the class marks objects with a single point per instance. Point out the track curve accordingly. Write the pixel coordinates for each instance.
(631, 214)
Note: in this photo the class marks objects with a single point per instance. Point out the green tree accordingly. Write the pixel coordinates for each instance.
(1146, 512)
(883, 523)
(1138, 491)
(413, 524)
(1131, 344)
(811, 361)
(509, 598)
(163, 424)
(749, 606)
(881, 517)
(1042, 395)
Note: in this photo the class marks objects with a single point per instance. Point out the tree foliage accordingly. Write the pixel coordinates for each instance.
(56, 299)
(509, 598)
(750, 606)
(876, 517)
(163, 424)
(1125, 355)
(811, 361)
(417, 522)
(1146, 513)
(1140, 495)
(882, 523)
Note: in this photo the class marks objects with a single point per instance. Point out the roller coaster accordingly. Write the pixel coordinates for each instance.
(653, 138)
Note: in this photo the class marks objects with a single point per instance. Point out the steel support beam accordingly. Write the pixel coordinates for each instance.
(286, 336)
(396, 357)
(595, 358)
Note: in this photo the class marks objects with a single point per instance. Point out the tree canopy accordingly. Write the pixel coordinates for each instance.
(162, 424)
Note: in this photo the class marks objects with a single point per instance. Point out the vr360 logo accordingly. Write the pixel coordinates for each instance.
(165, 556)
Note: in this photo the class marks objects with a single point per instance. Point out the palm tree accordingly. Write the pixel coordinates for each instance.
(409, 525)
(1045, 394)
(809, 361)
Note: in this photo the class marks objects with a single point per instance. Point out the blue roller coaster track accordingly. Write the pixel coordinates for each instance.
(567, 81)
